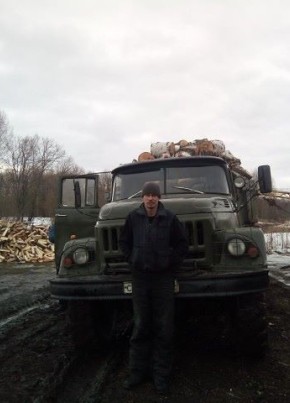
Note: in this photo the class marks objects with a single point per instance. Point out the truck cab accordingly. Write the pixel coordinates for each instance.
(227, 254)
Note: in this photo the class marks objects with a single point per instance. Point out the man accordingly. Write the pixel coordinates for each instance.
(154, 242)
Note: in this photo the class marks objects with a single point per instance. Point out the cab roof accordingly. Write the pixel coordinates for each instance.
(168, 162)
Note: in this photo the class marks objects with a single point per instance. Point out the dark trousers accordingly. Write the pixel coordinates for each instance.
(152, 337)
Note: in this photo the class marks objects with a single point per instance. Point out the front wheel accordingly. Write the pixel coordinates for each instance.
(105, 316)
(97, 323)
(80, 323)
(249, 326)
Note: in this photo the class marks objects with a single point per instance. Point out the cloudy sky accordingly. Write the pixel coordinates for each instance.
(105, 79)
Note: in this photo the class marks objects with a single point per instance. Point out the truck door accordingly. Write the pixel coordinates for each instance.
(79, 201)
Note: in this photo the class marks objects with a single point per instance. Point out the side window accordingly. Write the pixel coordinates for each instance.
(68, 197)
(90, 192)
(87, 189)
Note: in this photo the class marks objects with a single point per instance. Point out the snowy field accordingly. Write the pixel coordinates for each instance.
(278, 249)
(278, 242)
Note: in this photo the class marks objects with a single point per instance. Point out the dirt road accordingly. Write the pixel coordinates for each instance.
(39, 362)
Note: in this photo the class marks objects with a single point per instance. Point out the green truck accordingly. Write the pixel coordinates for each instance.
(226, 265)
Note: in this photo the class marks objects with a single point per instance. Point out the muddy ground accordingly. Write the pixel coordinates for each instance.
(39, 362)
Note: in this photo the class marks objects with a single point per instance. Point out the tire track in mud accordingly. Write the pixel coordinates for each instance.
(39, 361)
(32, 355)
(40, 364)
(89, 374)
(87, 377)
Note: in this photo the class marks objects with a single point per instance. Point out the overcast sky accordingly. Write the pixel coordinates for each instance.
(105, 79)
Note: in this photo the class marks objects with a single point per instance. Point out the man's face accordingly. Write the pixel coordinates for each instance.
(150, 202)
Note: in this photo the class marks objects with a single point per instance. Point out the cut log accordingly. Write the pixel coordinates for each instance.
(145, 156)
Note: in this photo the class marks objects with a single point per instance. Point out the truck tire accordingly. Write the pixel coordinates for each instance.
(80, 323)
(112, 320)
(250, 335)
(105, 317)
(95, 324)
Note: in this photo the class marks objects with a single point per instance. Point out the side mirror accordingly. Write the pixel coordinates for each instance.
(265, 179)
(78, 197)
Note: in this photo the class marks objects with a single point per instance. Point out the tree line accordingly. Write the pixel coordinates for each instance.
(30, 167)
(273, 209)
(29, 170)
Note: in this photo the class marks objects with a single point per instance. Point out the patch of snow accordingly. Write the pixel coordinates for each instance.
(278, 242)
(38, 221)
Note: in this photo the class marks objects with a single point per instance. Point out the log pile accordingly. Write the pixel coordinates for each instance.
(184, 148)
(23, 243)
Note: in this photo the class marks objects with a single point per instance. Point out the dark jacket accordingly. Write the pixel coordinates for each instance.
(156, 246)
(51, 233)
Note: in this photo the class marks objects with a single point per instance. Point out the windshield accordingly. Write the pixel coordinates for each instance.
(172, 180)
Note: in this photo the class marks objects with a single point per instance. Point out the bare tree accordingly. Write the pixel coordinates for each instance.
(19, 163)
(46, 153)
(3, 132)
(29, 169)
(28, 160)
(67, 166)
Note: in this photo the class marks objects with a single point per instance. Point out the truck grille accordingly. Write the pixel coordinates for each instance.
(110, 237)
(198, 233)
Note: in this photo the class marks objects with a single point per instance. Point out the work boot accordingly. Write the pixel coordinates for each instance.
(133, 380)
(161, 385)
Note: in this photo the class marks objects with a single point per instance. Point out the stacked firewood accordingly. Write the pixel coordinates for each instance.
(184, 148)
(24, 243)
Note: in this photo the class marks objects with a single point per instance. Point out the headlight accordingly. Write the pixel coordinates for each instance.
(236, 247)
(239, 182)
(81, 256)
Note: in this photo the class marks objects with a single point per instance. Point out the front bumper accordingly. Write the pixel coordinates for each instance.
(193, 286)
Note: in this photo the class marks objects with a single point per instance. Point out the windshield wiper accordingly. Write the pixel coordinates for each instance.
(135, 194)
(188, 189)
